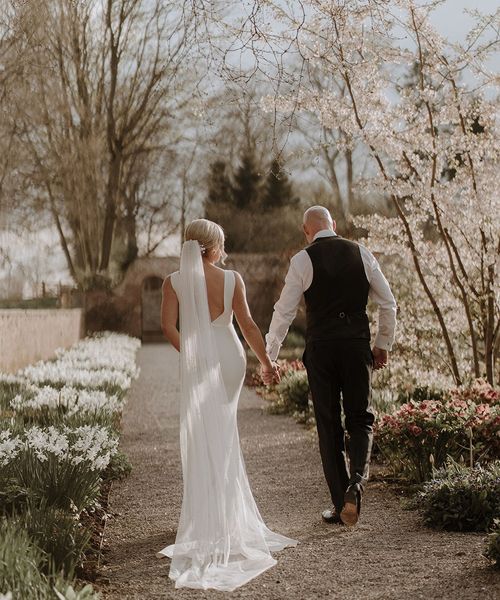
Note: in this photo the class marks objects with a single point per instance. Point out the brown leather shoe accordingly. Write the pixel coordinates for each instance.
(352, 505)
(330, 515)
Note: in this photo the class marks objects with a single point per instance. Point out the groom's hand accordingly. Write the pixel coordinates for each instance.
(272, 375)
(277, 372)
(380, 358)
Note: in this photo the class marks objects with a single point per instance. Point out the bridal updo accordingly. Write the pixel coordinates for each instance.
(208, 234)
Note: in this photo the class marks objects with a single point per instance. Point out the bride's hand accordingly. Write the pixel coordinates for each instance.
(270, 373)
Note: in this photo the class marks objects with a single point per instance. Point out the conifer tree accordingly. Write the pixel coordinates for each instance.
(220, 192)
(278, 191)
(247, 181)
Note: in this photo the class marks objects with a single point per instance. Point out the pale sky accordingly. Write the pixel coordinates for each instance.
(451, 21)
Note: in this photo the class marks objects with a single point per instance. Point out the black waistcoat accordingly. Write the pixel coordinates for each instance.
(337, 297)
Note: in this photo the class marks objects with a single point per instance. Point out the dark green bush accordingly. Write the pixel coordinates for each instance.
(462, 499)
(119, 467)
(493, 544)
(421, 393)
(293, 389)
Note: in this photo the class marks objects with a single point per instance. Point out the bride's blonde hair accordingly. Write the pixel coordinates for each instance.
(208, 234)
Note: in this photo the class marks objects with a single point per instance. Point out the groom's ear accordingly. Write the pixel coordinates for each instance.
(334, 225)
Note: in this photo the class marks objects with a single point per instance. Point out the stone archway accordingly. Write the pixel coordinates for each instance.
(150, 309)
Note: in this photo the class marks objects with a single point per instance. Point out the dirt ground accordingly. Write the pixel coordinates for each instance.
(389, 555)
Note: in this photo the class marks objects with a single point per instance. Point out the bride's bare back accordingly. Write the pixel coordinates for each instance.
(214, 277)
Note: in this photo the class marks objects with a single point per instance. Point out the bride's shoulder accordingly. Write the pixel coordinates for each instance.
(238, 279)
(171, 276)
(171, 279)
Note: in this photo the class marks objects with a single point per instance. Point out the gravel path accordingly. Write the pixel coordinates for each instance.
(389, 555)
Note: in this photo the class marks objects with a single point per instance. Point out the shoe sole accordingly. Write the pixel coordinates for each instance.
(349, 514)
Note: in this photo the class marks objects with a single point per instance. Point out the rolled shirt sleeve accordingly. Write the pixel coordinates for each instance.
(286, 307)
(380, 292)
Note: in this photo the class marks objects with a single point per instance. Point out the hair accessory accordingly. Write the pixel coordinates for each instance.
(202, 248)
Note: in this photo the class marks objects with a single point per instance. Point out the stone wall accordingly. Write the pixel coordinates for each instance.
(122, 309)
(34, 334)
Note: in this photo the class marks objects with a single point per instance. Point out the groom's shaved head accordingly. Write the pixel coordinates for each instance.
(317, 215)
(316, 219)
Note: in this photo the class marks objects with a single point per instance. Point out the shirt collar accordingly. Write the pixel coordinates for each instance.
(324, 233)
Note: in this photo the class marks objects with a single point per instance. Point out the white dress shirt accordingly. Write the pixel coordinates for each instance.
(298, 280)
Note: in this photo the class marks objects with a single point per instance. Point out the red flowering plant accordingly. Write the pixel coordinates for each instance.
(419, 436)
(479, 391)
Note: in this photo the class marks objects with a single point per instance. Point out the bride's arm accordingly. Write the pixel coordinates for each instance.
(248, 327)
(170, 314)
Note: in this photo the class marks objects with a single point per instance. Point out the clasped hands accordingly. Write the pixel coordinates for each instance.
(270, 373)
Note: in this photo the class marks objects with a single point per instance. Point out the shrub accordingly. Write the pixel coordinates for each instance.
(293, 389)
(462, 499)
(119, 466)
(493, 544)
(419, 436)
(294, 339)
(421, 393)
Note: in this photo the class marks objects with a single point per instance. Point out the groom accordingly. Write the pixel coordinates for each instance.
(336, 278)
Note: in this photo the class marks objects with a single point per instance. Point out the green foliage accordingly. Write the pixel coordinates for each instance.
(25, 569)
(294, 339)
(420, 394)
(293, 389)
(58, 480)
(247, 181)
(493, 544)
(7, 393)
(47, 302)
(462, 499)
(21, 564)
(219, 186)
(67, 592)
(58, 533)
(119, 467)
(278, 191)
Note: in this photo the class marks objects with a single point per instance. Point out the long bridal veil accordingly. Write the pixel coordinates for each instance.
(222, 541)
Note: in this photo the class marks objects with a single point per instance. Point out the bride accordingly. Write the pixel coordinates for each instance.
(222, 541)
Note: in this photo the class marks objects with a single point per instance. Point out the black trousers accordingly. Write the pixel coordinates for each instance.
(339, 373)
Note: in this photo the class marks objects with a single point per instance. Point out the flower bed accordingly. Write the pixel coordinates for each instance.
(59, 430)
(419, 436)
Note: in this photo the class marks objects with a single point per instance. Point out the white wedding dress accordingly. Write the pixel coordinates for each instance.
(222, 541)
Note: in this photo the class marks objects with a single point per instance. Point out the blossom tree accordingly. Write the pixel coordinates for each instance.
(433, 143)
